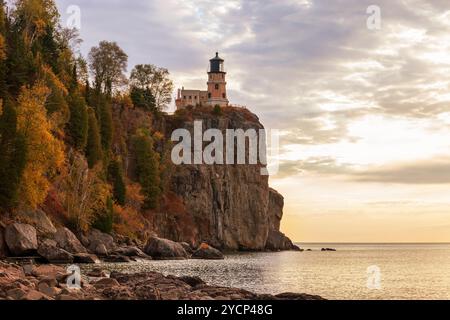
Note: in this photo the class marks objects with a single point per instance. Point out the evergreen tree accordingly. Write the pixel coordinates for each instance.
(105, 218)
(12, 157)
(143, 98)
(148, 169)
(106, 123)
(93, 146)
(115, 173)
(78, 122)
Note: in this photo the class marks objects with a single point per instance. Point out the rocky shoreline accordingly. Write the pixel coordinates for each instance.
(31, 268)
(50, 282)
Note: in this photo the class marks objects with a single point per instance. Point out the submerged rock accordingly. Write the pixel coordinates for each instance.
(208, 253)
(164, 249)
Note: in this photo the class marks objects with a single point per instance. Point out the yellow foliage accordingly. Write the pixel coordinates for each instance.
(129, 222)
(2, 48)
(45, 153)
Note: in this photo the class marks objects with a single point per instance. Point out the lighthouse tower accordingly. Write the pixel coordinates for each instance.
(217, 85)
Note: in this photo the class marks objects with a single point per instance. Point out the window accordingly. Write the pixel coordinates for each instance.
(190, 97)
(195, 97)
(217, 87)
(209, 95)
(224, 96)
(184, 97)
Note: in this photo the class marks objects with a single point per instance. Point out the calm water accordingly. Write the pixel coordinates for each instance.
(409, 271)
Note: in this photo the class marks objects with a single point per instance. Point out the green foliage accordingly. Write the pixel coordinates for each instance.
(13, 156)
(105, 218)
(217, 110)
(93, 146)
(108, 63)
(148, 169)
(143, 98)
(106, 123)
(78, 122)
(115, 174)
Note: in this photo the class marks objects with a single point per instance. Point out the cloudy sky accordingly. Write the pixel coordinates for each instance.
(364, 114)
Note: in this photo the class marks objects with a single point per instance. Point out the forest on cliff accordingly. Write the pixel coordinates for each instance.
(69, 126)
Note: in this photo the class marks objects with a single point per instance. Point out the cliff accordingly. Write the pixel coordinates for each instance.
(229, 206)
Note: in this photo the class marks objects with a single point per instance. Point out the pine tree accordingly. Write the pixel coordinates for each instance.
(106, 123)
(148, 169)
(78, 122)
(12, 157)
(93, 146)
(115, 173)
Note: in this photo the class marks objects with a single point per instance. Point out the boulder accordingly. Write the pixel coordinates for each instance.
(96, 237)
(101, 250)
(131, 251)
(86, 258)
(208, 253)
(277, 241)
(106, 283)
(187, 247)
(40, 221)
(68, 241)
(49, 250)
(117, 258)
(21, 239)
(4, 252)
(164, 249)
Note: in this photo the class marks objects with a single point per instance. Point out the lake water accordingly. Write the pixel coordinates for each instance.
(406, 271)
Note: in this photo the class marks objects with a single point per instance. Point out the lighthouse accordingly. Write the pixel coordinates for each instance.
(216, 95)
(217, 85)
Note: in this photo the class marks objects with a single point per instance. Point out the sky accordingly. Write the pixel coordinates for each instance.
(364, 113)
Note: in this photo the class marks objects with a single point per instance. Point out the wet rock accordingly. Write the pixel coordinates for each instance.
(297, 296)
(192, 281)
(21, 239)
(277, 241)
(49, 250)
(208, 253)
(131, 251)
(187, 247)
(68, 241)
(164, 249)
(86, 258)
(97, 273)
(117, 258)
(328, 249)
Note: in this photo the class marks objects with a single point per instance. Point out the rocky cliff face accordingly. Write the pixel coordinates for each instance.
(229, 206)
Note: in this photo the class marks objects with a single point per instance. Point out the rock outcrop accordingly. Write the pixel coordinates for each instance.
(163, 249)
(207, 252)
(68, 241)
(49, 250)
(21, 239)
(227, 206)
(276, 240)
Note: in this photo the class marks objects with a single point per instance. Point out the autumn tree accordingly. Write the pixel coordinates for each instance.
(83, 192)
(45, 153)
(93, 146)
(156, 80)
(147, 169)
(108, 64)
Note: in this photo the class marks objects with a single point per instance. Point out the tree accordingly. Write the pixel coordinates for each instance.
(115, 174)
(78, 122)
(45, 153)
(83, 192)
(93, 146)
(104, 218)
(147, 169)
(106, 123)
(108, 64)
(12, 156)
(143, 98)
(156, 80)
(2, 50)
